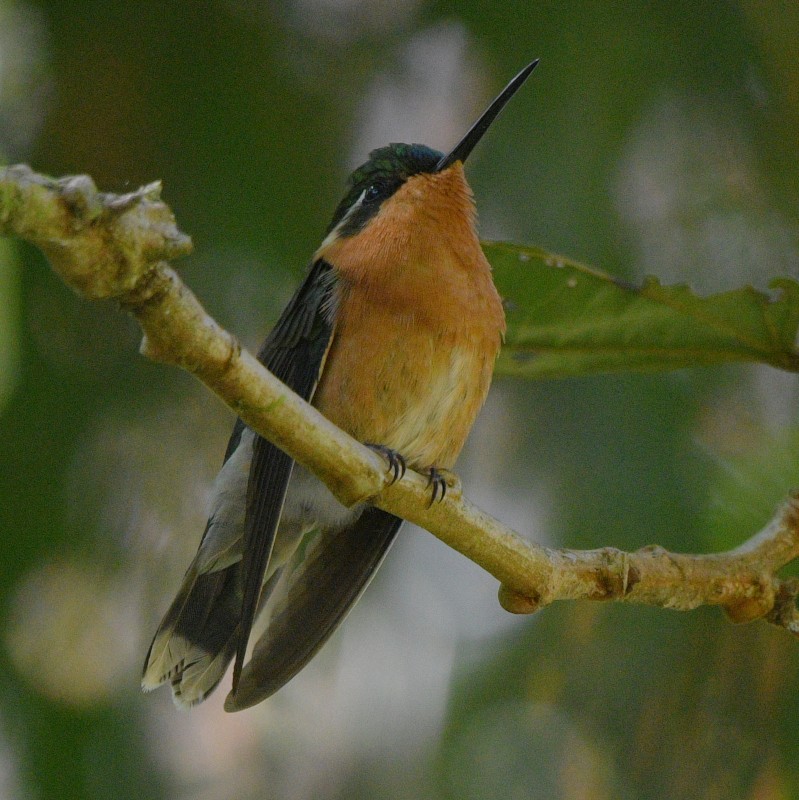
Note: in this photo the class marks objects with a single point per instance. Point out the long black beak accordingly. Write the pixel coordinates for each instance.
(465, 146)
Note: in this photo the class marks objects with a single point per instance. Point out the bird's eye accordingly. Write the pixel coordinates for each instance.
(374, 192)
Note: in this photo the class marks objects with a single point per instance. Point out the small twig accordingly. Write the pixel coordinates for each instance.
(111, 246)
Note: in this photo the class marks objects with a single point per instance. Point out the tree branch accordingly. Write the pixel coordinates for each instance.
(117, 246)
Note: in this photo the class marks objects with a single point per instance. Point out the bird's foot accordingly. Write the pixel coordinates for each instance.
(396, 463)
(443, 481)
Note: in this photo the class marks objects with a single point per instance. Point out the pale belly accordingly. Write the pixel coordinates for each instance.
(415, 392)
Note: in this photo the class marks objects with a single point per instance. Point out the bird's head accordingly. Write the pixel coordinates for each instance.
(403, 185)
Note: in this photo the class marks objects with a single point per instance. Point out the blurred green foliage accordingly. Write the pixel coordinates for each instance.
(655, 138)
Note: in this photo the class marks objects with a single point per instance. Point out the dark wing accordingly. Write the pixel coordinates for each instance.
(333, 573)
(294, 352)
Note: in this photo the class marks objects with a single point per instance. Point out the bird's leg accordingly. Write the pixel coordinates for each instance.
(396, 463)
(442, 480)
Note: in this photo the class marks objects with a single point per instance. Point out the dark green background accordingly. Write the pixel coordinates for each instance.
(655, 137)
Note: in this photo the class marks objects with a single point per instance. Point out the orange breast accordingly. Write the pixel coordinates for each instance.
(418, 325)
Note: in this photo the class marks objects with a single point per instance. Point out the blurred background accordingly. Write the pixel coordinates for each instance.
(655, 138)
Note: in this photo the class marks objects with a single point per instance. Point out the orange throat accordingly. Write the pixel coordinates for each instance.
(419, 323)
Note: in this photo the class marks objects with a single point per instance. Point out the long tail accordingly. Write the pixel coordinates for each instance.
(197, 638)
(321, 590)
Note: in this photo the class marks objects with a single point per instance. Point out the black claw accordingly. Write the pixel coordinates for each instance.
(439, 484)
(396, 463)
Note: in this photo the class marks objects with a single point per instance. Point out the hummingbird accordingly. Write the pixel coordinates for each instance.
(392, 335)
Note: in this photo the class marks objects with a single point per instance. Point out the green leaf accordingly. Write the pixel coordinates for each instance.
(566, 319)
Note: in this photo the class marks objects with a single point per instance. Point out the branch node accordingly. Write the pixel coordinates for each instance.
(82, 201)
(785, 613)
(122, 202)
(517, 603)
(100, 244)
(758, 602)
(630, 575)
(614, 577)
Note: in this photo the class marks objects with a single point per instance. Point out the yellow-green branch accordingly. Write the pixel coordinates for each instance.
(109, 246)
